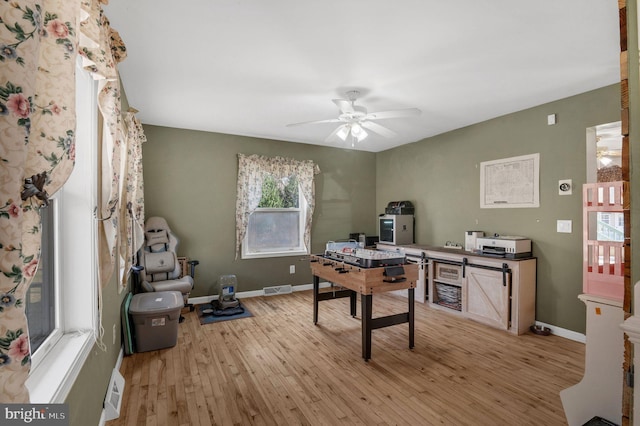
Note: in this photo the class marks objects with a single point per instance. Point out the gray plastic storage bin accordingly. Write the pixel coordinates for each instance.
(155, 318)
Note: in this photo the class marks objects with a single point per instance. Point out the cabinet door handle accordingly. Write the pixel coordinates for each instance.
(464, 266)
(505, 269)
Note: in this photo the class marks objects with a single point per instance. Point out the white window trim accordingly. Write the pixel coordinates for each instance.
(302, 250)
(55, 369)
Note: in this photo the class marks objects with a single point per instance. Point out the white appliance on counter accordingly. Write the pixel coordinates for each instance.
(508, 246)
(470, 239)
(396, 229)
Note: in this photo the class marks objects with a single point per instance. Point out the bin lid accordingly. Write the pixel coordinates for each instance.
(158, 302)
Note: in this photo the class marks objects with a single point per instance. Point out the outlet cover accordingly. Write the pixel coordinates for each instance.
(292, 269)
(564, 226)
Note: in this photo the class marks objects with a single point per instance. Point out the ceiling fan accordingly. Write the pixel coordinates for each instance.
(355, 120)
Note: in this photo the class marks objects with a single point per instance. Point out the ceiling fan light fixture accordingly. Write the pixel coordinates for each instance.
(354, 119)
(361, 135)
(343, 133)
(605, 161)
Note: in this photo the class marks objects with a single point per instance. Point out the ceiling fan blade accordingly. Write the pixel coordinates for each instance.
(333, 137)
(344, 105)
(376, 128)
(407, 112)
(331, 120)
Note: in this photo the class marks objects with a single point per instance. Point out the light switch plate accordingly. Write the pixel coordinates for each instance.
(564, 226)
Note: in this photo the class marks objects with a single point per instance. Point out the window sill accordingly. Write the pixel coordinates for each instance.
(274, 254)
(51, 381)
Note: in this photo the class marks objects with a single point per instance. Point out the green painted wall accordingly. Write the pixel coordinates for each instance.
(190, 180)
(441, 175)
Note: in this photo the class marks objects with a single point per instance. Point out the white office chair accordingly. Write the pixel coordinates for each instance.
(158, 267)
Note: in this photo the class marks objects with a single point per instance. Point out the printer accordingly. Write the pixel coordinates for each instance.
(511, 247)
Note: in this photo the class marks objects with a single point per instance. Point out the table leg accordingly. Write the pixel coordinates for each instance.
(411, 317)
(316, 289)
(352, 299)
(366, 325)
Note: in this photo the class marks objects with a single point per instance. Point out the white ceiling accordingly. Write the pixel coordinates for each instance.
(250, 67)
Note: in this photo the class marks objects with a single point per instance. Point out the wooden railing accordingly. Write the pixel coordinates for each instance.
(604, 262)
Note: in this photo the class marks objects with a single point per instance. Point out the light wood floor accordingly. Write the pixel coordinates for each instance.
(277, 368)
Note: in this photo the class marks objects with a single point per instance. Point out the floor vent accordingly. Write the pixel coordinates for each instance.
(113, 400)
(282, 289)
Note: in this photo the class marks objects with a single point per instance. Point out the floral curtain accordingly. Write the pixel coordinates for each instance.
(251, 173)
(132, 207)
(39, 44)
(112, 157)
(102, 50)
(38, 48)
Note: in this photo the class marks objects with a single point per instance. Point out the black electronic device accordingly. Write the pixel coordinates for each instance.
(400, 207)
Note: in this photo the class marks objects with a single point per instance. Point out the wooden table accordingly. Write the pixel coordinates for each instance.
(366, 282)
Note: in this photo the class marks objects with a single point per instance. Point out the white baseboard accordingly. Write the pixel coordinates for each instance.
(563, 332)
(254, 293)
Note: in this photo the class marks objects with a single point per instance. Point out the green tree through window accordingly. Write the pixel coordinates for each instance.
(283, 194)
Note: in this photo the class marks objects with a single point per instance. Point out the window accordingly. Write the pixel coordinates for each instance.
(41, 300)
(276, 226)
(604, 156)
(274, 206)
(610, 226)
(67, 282)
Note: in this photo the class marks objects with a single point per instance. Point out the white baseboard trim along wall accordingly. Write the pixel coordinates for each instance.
(254, 293)
(563, 332)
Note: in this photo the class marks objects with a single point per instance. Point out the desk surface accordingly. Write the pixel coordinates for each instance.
(417, 249)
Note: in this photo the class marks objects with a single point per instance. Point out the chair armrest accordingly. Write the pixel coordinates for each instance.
(148, 288)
